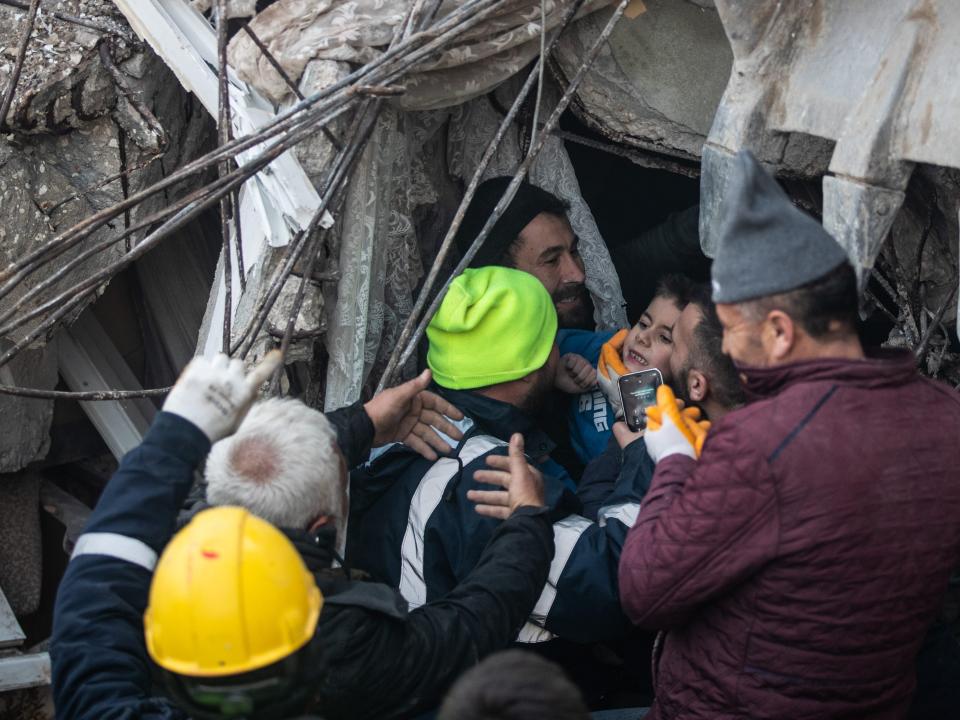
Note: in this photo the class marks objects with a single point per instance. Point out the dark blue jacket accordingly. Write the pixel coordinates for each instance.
(369, 657)
(413, 528)
(615, 473)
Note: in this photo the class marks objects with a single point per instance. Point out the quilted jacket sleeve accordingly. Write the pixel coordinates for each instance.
(703, 527)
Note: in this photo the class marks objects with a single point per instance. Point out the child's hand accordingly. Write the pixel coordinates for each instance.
(575, 375)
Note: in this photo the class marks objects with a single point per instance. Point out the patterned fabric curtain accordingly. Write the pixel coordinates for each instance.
(357, 31)
(405, 168)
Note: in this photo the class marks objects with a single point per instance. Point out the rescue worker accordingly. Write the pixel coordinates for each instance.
(797, 564)
(230, 617)
(493, 355)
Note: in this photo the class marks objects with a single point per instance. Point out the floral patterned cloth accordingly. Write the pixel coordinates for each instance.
(357, 31)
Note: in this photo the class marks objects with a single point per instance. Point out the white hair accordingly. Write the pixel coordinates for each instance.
(282, 464)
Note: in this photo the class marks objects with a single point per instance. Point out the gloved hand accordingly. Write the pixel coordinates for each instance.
(216, 393)
(609, 369)
(672, 431)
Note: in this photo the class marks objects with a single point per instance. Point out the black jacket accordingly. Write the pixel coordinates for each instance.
(369, 656)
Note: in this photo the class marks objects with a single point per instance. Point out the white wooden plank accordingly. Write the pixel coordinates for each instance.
(280, 199)
(24, 671)
(89, 360)
(11, 634)
(186, 42)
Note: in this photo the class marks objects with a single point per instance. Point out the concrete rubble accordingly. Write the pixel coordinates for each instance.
(851, 101)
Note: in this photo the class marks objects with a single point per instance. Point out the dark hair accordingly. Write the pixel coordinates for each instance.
(676, 287)
(824, 308)
(499, 247)
(543, 203)
(514, 685)
(707, 356)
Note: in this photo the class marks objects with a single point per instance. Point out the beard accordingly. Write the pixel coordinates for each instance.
(540, 389)
(679, 385)
(578, 314)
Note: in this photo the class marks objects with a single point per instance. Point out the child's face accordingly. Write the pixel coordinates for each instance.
(650, 342)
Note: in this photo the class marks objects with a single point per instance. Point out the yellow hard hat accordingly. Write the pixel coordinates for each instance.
(229, 595)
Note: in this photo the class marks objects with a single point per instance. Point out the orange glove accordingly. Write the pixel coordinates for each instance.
(669, 428)
(609, 369)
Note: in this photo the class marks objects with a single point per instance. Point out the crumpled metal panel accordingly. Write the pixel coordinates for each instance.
(899, 63)
(874, 76)
(657, 83)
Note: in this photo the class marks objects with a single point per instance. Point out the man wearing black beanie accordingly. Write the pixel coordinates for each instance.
(535, 236)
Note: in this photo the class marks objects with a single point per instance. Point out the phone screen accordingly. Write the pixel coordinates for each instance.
(638, 391)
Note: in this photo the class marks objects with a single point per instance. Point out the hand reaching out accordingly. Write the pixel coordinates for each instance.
(575, 375)
(405, 413)
(521, 482)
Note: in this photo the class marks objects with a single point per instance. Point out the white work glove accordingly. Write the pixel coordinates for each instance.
(671, 431)
(216, 393)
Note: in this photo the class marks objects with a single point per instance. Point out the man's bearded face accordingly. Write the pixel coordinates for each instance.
(547, 249)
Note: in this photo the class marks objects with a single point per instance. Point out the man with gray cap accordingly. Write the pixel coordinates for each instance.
(796, 565)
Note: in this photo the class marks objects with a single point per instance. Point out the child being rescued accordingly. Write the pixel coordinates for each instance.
(592, 362)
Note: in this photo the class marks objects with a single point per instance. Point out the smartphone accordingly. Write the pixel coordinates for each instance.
(638, 391)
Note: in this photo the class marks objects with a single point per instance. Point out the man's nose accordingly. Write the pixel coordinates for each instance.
(572, 272)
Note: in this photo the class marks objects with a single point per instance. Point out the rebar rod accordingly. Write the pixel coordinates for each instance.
(342, 164)
(521, 173)
(101, 183)
(291, 85)
(105, 52)
(86, 254)
(543, 64)
(447, 244)
(223, 137)
(73, 19)
(371, 112)
(84, 396)
(25, 35)
(921, 351)
(299, 116)
(69, 299)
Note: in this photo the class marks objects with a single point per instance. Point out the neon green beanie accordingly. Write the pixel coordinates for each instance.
(494, 325)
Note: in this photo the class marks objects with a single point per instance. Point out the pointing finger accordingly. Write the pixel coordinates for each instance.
(264, 369)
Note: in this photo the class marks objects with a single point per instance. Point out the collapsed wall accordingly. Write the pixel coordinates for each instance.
(680, 87)
(96, 116)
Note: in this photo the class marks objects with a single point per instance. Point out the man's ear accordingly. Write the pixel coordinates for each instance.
(779, 335)
(697, 386)
(319, 523)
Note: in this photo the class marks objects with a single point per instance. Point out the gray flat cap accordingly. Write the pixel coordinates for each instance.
(767, 245)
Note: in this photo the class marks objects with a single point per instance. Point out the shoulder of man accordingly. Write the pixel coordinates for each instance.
(374, 597)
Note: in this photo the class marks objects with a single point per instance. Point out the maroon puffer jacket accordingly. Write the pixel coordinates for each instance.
(798, 564)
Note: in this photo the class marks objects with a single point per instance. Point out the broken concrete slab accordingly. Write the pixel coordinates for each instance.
(25, 422)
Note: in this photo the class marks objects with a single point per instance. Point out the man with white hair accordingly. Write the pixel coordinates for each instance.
(283, 465)
(227, 622)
